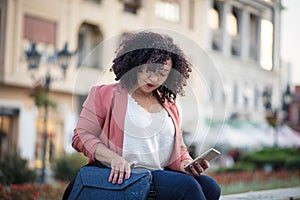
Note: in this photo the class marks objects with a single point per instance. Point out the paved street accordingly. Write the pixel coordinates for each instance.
(278, 194)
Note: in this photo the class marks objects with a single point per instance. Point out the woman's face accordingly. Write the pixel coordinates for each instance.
(152, 76)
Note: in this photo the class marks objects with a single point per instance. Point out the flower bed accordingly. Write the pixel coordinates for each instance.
(32, 191)
(231, 182)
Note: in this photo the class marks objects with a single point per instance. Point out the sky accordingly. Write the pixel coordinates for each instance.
(290, 38)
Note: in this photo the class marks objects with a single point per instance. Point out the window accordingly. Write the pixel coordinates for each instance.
(233, 28)
(266, 52)
(39, 30)
(95, 1)
(89, 37)
(43, 33)
(167, 10)
(256, 98)
(254, 37)
(191, 13)
(247, 95)
(215, 25)
(81, 100)
(131, 6)
(235, 94)
(8, 131)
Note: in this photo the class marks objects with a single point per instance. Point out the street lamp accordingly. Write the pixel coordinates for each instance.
(33, 58)
(287, 99)
(271, 114)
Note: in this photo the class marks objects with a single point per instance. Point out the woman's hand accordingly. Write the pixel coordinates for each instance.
(196, 169)
(119, 168)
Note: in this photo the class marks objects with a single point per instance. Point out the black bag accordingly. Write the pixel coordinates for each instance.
(91, 182)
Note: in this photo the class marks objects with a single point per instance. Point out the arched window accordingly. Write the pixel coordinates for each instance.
(89, 37)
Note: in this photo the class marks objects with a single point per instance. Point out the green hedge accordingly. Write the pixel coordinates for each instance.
(239, 166)
(67, 166)
(278, 158)
(15, 170)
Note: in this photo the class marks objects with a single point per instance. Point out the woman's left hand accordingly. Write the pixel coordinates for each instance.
(196, 169)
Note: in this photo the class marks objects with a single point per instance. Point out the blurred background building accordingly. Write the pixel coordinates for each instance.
(241, 37)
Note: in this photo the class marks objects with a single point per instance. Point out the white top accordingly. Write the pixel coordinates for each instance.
(148, 137)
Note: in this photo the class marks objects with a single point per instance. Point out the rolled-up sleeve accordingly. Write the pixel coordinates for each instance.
(87, 132)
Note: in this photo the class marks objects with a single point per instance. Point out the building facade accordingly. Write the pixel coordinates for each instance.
(237, 39)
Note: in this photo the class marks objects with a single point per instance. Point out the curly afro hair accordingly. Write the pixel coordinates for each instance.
(143, 47)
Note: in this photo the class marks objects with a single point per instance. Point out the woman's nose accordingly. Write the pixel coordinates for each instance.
(153, 77)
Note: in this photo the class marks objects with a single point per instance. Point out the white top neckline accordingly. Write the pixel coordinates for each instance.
(148, 137)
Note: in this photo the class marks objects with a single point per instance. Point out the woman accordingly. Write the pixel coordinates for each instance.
(136, 123)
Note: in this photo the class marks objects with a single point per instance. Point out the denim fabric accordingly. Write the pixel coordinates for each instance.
(92, 183)
(170, 185)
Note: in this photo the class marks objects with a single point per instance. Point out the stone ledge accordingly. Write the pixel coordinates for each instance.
(276, 194)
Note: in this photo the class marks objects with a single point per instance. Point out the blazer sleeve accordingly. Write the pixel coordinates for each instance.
(87, 132)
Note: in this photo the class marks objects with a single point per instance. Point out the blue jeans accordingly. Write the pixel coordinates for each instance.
(170, 185)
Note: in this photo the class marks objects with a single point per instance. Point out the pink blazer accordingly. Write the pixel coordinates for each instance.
(102, 120)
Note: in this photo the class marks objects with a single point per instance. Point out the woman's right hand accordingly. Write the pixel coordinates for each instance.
(119, 168)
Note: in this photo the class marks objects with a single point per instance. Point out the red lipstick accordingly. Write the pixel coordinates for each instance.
(150, 85)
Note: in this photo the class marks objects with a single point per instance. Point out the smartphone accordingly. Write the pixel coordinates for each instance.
(209, 155)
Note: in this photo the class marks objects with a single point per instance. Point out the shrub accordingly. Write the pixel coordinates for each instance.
(278, 158)
(293, 163)
(14, 170)
(66, 167)
(238, 167)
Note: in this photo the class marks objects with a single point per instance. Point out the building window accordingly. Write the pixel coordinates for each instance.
(256, 98)
(81, 100)
(235, 94)
(167, 10)
(215, 25)
(8, 131)
(95, 1)
(39, 30)
(43, 33)
(89, 52)
(266, 52)
(131, 6)
(191, 13)
(233, 27)
(254, 37)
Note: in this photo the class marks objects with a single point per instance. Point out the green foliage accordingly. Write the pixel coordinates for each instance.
(41, 97)
(239, 166)
(293, 163)
(278, 158)
(14, 170)
(66, 167)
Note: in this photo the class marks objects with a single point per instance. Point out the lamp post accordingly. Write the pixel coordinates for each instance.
(33, 58)
(271, 114)
(287, 99)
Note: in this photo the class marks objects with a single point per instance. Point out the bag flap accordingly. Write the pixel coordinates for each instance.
(92, 176)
